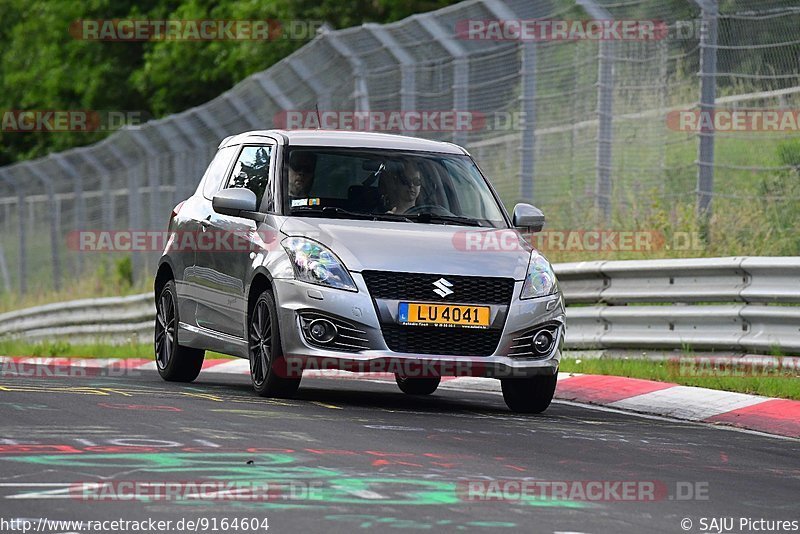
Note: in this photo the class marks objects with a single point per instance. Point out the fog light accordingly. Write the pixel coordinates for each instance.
(322, 330)
(542, 342)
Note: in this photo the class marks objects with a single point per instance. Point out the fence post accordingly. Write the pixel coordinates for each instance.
(360, 91)
(708, 97)
(321, 91)
(79, 215)
(55, 224)
(605, 113)
(460, 66)
(134, 203)
(528, 106)
(408, 73)
(21, 258)
(107, 199)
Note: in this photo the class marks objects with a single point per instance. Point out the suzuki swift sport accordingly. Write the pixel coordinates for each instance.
(358, 252)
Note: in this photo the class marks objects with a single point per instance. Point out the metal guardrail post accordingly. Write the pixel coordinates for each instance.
(243, 111)
(605, 113)
(79, 213)
(4, 265)
(176, 137)
(134, 203)
(708, 97)
(196, 164)
(460, 66)
(360, 90)
(321, 90)
(107, 203)
(153, 173)
(272, 90)
(527, 103)
(53, 217)
(21, 258)
(408, 74)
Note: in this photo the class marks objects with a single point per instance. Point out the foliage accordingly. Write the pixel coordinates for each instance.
(44, 68)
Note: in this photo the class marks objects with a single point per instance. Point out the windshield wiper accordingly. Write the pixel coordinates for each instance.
(453, 219)
(341, 213)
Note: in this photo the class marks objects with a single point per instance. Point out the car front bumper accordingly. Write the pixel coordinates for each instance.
(358, 308)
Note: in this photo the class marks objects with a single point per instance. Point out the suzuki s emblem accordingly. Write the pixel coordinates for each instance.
(443, 287)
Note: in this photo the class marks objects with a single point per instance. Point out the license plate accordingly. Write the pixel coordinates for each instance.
(443, 314)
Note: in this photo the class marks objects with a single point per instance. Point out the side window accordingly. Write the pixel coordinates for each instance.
(252, 170)
(216, 171)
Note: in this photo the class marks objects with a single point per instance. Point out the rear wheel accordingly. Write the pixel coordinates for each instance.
(266, 355)
(529, 395)
(174, 362)
(417, 386)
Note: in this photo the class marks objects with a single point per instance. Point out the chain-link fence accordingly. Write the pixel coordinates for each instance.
(594, 131)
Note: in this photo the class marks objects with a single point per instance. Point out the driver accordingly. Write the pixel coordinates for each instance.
(399, 191)
(301, 173)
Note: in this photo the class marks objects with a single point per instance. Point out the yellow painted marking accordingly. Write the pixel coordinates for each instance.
(206, 396)
(329, 406)
(110, 390)
(39, 389)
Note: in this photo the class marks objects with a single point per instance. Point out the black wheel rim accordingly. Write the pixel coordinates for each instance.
(165, 329)
(260, 342)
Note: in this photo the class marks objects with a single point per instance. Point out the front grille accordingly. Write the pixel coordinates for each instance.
(438, 340)
(416, 286)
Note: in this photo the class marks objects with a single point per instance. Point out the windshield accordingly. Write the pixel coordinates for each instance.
(389, 185)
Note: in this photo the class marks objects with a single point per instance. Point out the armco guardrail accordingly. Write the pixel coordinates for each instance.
(117, 319)
(742, 304)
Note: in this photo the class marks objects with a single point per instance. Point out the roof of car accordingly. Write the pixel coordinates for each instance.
(346, 138)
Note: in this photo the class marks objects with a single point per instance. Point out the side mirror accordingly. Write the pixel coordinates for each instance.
(527, 216)
(233, 201)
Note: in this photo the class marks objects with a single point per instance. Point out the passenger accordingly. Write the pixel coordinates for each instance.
(400, 191)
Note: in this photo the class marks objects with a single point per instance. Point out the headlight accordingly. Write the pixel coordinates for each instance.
(315, 264)
(540, 280)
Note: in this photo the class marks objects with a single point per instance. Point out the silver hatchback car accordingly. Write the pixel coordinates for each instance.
(365, 252)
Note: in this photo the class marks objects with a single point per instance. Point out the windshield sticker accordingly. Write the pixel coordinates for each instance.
(305, 202)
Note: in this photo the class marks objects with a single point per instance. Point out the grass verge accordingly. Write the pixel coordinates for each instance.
(780, 383)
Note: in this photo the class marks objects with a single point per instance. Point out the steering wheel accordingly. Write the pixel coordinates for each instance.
(433, 209)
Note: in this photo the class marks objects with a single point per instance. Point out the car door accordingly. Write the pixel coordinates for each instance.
(188, 227)
(224, 254)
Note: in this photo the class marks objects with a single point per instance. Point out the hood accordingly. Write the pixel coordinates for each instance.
(418, 248)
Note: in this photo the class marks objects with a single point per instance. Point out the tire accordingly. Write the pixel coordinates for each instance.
(529, 395)
(174, 362)
(417, 386)
(266, 353)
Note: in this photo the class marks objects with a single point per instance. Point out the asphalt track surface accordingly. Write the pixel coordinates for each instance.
(359, 456)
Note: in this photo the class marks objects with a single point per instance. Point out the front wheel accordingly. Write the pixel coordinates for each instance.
(266, 354)
(529, 395)
(174, 362)
(417, 386)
